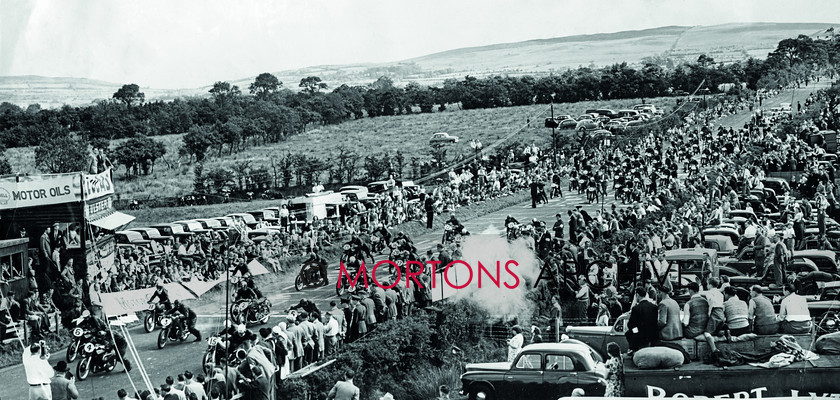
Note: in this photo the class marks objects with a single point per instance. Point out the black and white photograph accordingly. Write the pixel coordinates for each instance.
(419, 200)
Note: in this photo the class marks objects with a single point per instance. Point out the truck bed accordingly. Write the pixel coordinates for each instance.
(698, 379)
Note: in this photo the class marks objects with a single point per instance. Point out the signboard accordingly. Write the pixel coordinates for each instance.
(96, 186)
(99, 208)
(130, 301)
(39, 190)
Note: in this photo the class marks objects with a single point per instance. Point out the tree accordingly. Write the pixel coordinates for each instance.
(312, 84)
(198, 180)
(139, 154)
(261, 177)
(62, 153)
(265, 86)
(240, 168)
(198, 140)
(376, 165)
(221, 178)
(129, 94)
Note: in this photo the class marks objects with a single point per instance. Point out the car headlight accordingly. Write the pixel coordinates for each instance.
(830, 323)
(165, 321)
(89, 347)
(78, 332)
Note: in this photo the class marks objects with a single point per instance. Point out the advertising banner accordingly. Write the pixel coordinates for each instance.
(40, 190)
(130, 301)
(96, 186)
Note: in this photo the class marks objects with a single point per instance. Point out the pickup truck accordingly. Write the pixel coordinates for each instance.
(540, 371)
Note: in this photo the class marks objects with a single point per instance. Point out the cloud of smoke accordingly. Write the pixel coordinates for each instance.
(488, 249)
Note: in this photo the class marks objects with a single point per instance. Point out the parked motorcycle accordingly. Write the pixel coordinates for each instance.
(250, 311)
(173, 329)
(96, 358)
(153, 316)
(309, 276)
(80, 338)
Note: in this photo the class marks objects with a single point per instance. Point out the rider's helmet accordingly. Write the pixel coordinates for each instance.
(176, 303)
(85, 314)
(240, 329)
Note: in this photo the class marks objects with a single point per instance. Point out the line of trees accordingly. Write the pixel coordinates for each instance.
(228, 121)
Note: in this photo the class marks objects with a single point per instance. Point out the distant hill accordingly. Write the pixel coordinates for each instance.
(666, 45)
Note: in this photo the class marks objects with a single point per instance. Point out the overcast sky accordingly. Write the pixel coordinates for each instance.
(185, 44)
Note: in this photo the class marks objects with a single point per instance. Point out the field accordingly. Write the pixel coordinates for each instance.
(382, 135)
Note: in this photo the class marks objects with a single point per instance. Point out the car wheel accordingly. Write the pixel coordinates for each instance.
(482, 392)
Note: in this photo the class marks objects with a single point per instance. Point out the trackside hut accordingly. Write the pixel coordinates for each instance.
(82, 206)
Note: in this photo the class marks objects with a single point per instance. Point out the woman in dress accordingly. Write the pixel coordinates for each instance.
(615, 372)
(515, 343)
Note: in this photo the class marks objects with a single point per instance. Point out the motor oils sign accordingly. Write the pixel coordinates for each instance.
(96, 186)
(39, 190)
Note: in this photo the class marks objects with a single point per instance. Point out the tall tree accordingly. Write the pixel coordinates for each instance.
(312, 84)
(62, 153)
(129, 94)
(265, 86)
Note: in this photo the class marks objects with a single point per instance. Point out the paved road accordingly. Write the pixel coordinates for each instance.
(177, 358)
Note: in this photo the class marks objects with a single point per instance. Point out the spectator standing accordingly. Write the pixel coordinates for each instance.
(515, 343)
(62, 387)
(344, 390)
(641, 328)
(670, 326)
(38, 371)
(615, 372)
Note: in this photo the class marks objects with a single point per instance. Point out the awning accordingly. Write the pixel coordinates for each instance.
(113, 221)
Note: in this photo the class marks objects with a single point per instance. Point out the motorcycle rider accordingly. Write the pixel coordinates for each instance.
(314, 258)
(89, 322)
(118, 343)
(509, 224)
(162, 295)
(359, 248)
(383, 232)
(188, 318)
(248, 290)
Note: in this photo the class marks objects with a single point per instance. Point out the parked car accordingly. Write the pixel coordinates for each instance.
(568, 123)
(540, 371)
(443, 137)
(648, 108)
(597, 337)
(628, 113)
(587, 125)
(826, 260)
(616, 126)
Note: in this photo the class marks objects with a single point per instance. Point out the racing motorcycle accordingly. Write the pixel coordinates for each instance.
(309, 276)
(216, 350)
(345, 284)
(377, 243)
(153, 317)
(451, 233)
(81, 337)
(96, 358)
(173, 329)
(250, 311)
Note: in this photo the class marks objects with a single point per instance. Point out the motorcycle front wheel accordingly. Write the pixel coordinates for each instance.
(83, 369)
(162, 337)
(235, 314)
(209, 358)
(298, 283)
(73, 351)
(149, 323)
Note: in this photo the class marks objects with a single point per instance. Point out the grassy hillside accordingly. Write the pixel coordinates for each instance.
(382, 135)
(728, 43)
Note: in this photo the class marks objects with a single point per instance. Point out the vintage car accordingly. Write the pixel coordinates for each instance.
(540, 371)
(826, 260)
(598, 337)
